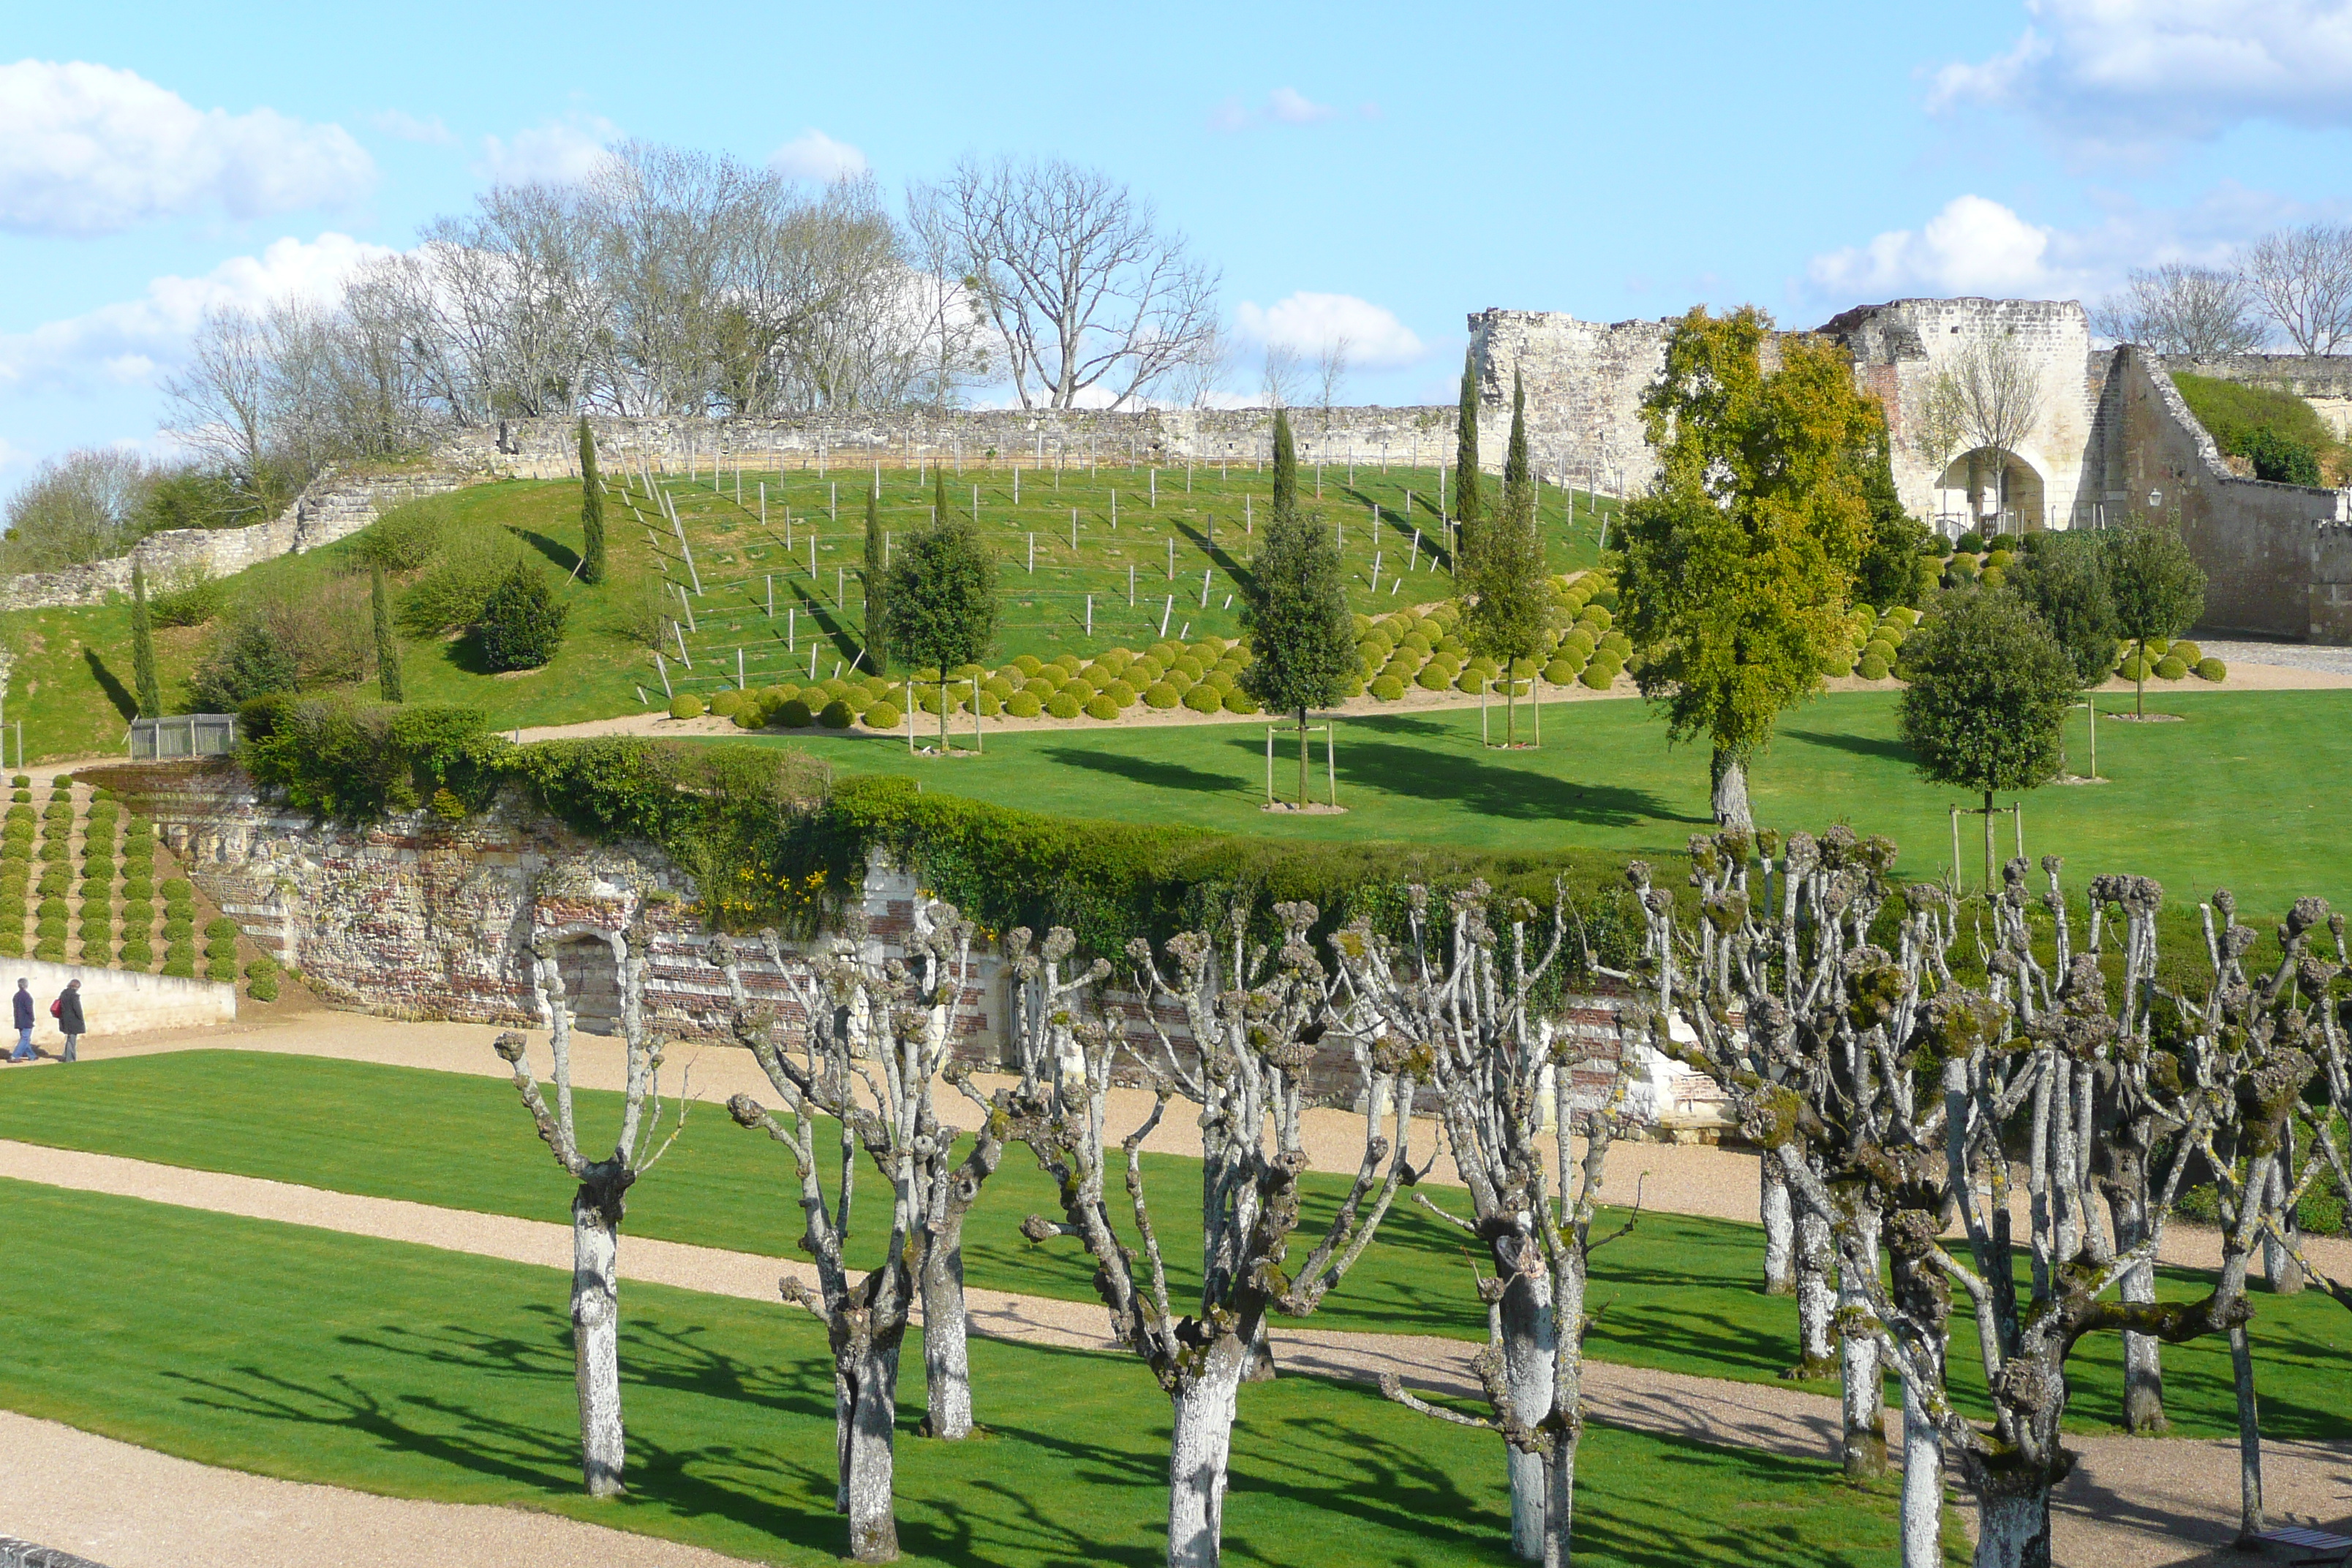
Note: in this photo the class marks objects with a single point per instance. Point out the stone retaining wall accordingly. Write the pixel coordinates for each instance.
(118, 1001)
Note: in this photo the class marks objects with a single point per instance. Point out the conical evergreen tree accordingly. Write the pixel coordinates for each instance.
(149, 691)
(1507, 580)
(387, 646)
(1302, 639)
(877, 614)
(939, 513)
(592, 513)
(1469, 483)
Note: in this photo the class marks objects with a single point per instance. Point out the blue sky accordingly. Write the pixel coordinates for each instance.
(1380, 170)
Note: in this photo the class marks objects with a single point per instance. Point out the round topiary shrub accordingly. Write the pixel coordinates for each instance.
(1560, 671)
(1161, 694)
(1872, 667)
(749, 717)
(1205, 699)
(1028, 664)
(522, 621)
(2158, 646)
(1101, 706)
(24, 797)
(835, 715)
(1597, 674)
(726, 704)
(1388, 688)
(2212, 669)
(1437, 675)
(2170, 668)
(50, 949)
(1121, 693)
(882, 714)
(2187, 652)
(1042, 689)
(795, 714)
(1063, 706)
(1023, 705)
(1880, 650)
(686, 705)
(1240, 701)
(2133, 669)
(996, 686)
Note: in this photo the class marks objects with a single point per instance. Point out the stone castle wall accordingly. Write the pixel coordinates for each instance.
(2324, 381)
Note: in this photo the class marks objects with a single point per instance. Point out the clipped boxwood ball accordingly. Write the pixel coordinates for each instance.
(1240, 701)
(1063, 706)
(1597, 674)
(686, 705)
(989, 705)
(1161, 694)
(2187, 653)
(1880, 650)
(1122, 693)
(1837, 662)
(795, 715)
(2133, 669)
(1022, 705)
(749, 717)
(2212, 669)
(1872, 666)
(1028, 664)
(1388, 688)
(1205, 699)
(727, 704)
(2170, 667)
(836, 715)
(1101, 707)
(1560, 671)
(883, 715)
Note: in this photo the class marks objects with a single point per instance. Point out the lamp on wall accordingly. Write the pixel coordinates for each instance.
(2155, 499)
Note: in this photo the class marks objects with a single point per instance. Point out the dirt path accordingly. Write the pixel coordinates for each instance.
(2133, 1503)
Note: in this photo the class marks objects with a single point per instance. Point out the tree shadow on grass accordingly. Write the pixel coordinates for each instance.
(1487, 790)
(1147, 770)
(566, 559)
(116, 692)
(1885, 748)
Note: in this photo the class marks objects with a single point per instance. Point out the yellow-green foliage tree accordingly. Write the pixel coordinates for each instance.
(1736, 568)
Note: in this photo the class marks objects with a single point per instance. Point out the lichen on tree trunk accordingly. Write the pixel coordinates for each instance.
(1728, 776)
(1816, 1299)
(870, 1372)
(1779, 1230)
(1200, 1452)
(597, 1335)
(2013, 1528)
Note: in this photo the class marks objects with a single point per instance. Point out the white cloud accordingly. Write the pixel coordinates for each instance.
(555, 152)
(2123, 78)
(88, 149)
(1973, 245)
(407, 127)
(814, 155)
(132, 341)
(1284, 106)
(1292, 107)
(1308, 323)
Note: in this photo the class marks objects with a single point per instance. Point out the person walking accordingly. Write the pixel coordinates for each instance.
(24, 1017)
(67, 1011)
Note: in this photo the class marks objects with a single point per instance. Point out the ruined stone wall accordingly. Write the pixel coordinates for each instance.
(2277, 558)
(2324, 381)
(1584, 383)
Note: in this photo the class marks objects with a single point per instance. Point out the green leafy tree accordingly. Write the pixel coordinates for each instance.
(2158, 588)
(2063, 579)
(1469, 492)
(939, 596)
(521, 625)
(591, 511)
(1988, 693)
(142, 648)
(1506, 584)
(387, 646)
(1895, 568)
(1294, 603)
(1735, 571)
(877, 615)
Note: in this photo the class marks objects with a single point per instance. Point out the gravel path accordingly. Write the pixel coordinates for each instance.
(2133, 1503)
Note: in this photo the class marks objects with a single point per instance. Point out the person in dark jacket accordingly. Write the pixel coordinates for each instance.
(69, 1019)
(24, 1051)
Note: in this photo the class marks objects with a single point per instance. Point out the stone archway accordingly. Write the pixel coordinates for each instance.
(1992, 492)
(592, 983)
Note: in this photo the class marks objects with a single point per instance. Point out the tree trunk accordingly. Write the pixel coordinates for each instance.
(1566, 1421)
(597, 1335)
(1530, 1342)
(1302, 758)
(1864, 1446)
(943, 717)
(2013, 1528)
(1989, 883)
(866, 1461)
(2139, 681)
(2143, 1353)
(947, 1360)
(1816, 1302)
(1923, 1486)
(2251, 1522)
(2279, 1267)
(1729, 779)
(1261, 1367)
(1198, 1452)
(1780, 1231)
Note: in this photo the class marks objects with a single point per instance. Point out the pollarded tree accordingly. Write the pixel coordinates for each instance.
(387, 646)
(940, 599)
(878, 600)
(1503, 1075)
(1738, 566)
(860, 1066)
(1302, 639)
(145, 686)
(2158, 588)
(1469, 482)
(1507, 581)
(1987, 699)
(598, 1205)
(1254, 1013)
(591, 508)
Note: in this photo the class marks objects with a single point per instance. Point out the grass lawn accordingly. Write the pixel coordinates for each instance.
(2196, 804)
(1679, 1293)
(403, 1371)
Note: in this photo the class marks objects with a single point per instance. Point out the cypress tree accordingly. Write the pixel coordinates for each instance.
(939, 513)
(592, 513)
(1510, 587)
(877, 612)
(142, 648)
(1302, 639)
(1469, 493)
(387, 647)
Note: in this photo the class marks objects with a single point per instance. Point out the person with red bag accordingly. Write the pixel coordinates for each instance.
(66, 1011)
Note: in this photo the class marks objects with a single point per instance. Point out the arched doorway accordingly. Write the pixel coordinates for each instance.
(1990, 492)
(592, 985)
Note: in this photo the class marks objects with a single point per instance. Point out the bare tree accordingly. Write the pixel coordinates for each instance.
(1254, 1013)
(2177, 309)
(87, 505)
(2303, 277)
(1279, 378)
(1331, 372)
(1504, 1077)
(1078, 279)
(220, 398)
(1999, 401)
(1201, 377)
(598, 1204)
(872, 1042)
(949, 323)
